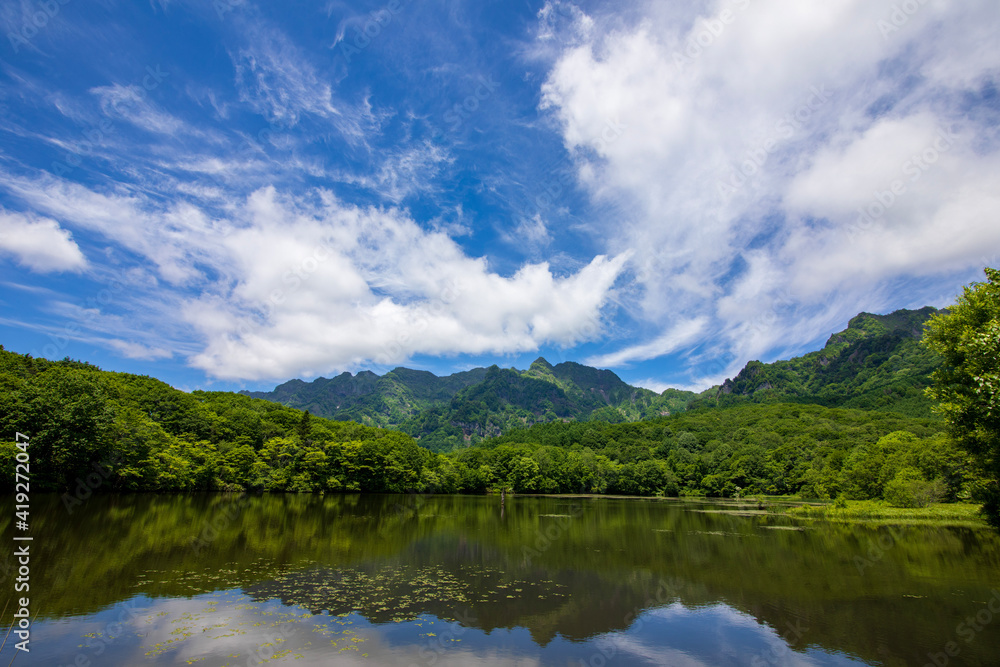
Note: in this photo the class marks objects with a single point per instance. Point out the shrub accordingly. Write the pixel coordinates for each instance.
(909, 489)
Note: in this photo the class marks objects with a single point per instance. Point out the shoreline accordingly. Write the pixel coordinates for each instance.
(856, 511)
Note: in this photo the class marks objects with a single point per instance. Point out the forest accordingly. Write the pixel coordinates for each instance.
(92, 430)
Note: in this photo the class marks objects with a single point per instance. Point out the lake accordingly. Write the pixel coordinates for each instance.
(235, 580)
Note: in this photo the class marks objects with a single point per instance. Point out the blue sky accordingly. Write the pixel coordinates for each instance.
(228, 194)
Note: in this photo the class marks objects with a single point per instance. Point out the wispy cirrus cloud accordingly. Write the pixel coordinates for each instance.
(681, 335)
(277, 80)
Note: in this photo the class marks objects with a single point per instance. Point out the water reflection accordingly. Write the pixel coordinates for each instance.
(230, 629)
(448, 580)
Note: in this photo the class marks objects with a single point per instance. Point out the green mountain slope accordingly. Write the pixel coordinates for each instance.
(877, 363)
(508, 398)
(453, 411)
(322, 397)
(385, 401)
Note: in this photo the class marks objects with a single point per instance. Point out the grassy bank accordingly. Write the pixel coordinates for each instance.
(963, 514)
(855, 511)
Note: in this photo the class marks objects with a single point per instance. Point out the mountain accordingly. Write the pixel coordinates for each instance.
(509, 398)
(367, 398)
(448, 412)
(323, 396)
(876, 363)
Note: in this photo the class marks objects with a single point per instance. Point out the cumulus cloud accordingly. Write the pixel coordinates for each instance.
(905, 197)
(316, 285)
(741, 139)
(330, 285)
(39, 243)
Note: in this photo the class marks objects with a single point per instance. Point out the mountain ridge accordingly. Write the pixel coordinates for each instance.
(455, 410)
(875, 363)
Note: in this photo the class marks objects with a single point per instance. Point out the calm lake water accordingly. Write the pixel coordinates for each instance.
(216, 580)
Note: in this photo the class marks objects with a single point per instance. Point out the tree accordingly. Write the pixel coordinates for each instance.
(525, 477)
(304, 427)
(967, 384)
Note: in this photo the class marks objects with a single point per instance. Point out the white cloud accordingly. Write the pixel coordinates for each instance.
(530, 234)
(803, 111)
(556, 18)
(331, 285)
(278, 81)
(134, 350)
(905, 197)
(315, 285)
(39, 243)
(401, 173)
(174, 238)
(682, 334)
(132, 104)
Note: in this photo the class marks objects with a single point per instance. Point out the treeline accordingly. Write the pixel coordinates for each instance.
(134, 433)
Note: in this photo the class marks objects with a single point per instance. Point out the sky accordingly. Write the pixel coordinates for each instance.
(229, 194)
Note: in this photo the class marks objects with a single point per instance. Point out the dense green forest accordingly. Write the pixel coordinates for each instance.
(90, 428)
(809, 450)
(137, 433)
